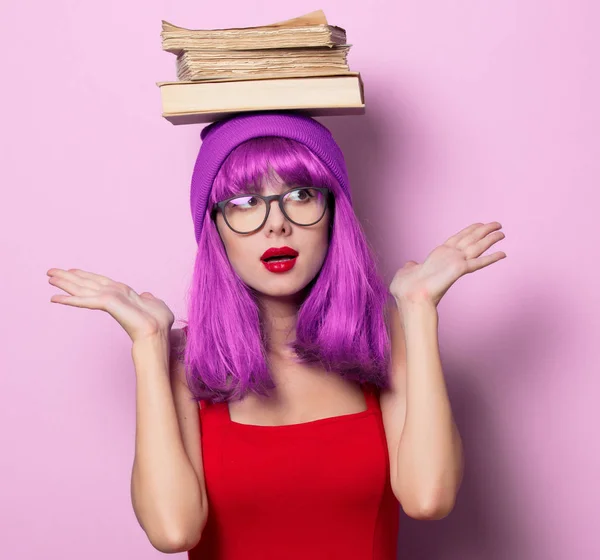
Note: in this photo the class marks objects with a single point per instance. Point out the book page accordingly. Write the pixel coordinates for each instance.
(313, 18)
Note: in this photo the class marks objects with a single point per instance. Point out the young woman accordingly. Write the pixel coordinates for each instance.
(304, 400)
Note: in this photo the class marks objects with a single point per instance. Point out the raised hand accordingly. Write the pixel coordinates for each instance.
(459, 255)
(141, 315)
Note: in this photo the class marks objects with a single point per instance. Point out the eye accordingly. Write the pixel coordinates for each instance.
(300, 195)
(243, 202)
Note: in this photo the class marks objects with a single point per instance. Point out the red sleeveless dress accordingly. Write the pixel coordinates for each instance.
(318, 490)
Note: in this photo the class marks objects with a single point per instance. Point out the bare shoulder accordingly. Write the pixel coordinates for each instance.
(177, 336)
(179, 383)
(177, 339)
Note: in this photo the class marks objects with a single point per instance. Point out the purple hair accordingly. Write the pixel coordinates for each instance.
(341, 322)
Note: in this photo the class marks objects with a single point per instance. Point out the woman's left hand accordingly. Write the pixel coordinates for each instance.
(458, 256)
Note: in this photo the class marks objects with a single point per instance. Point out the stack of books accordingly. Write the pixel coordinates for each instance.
(299, 64)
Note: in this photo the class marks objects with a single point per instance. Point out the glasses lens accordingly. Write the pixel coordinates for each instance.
(245, 213)
(305, 206)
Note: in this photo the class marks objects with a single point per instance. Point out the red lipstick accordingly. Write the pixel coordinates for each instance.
(279, 259)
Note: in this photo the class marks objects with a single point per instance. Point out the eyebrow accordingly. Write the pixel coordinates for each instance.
(282, 186)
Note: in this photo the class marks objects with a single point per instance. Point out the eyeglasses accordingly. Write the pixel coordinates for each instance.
(247, 213)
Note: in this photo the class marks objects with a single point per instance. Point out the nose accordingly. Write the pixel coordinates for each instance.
(276, 222)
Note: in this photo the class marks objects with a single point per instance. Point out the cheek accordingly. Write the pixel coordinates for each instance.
(320, 243)
(237, 254)
(322, 254)
(230, 242)
(240, 251)
(242, 264)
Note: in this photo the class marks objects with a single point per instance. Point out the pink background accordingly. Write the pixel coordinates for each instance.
(477, 111)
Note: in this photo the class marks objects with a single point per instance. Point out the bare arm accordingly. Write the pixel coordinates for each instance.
(424, 443)
(167, 483)
(427, 461)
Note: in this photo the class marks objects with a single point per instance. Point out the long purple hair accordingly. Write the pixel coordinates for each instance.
(341, 323)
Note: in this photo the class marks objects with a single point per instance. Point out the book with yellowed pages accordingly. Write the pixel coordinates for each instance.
(309, 30)
(192, 65)
(200, 102)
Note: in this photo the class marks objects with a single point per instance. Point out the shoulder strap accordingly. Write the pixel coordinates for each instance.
(213, 413)
(370, 393)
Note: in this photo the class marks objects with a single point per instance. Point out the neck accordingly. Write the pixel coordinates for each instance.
(279, 316)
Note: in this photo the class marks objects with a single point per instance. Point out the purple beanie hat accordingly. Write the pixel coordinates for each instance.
(221, 137)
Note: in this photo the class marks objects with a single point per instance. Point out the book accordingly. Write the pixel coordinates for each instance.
(194, 65)
(200, 102)
(309, 30)
(299, 64)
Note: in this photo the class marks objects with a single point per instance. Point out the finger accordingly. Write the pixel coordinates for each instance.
(104, 280)
(75, 278)
(81, 274)
(452, 241)
(483, 245)
(147, 295)
(72, 288)
(75, 301)
(477, 234)
(482, 262)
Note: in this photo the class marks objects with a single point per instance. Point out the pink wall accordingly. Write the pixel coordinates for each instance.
(477, 111)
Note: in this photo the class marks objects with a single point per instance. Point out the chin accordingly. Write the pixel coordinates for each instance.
(281, 287)
(278, 285)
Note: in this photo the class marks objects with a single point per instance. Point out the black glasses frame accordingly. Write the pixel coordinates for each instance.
(220, 206)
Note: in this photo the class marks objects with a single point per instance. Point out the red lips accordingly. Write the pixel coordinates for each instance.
(279, 263)
(279, 252)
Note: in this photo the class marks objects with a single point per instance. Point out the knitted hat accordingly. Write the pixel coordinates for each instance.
(221, 137)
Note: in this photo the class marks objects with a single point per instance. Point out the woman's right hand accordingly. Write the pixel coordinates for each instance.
(141, 315)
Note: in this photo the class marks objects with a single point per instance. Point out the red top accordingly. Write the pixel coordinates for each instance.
(318, 490)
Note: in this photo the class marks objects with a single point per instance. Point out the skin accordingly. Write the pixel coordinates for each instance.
(425, 448)
(303, 392)
(424, 445)
(244, 251)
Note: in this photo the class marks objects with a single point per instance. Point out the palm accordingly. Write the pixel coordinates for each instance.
(136, 309)
(459, 255)
(140, 315)
(439, 271)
